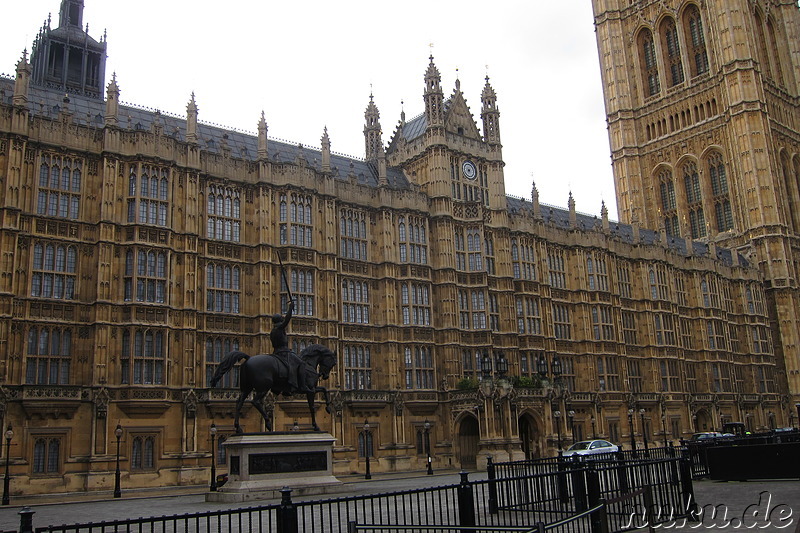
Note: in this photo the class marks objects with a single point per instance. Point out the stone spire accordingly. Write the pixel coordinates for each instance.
(191, 121)
(604, 215)
(326, 151)
(262, 137)
(372, 131)
(434, 98)
(537, 211)
(22, 81)
(573, 217)
(490, 114)
(112, 101)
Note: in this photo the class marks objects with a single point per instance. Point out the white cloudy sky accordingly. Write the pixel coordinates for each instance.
(312, 63)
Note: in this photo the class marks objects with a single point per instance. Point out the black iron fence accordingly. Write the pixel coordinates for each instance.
(613, 493)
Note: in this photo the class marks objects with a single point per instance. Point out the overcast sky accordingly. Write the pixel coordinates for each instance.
(310, 64)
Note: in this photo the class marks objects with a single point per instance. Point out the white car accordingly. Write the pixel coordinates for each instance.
(591, 447)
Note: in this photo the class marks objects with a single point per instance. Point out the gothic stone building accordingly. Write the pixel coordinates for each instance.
(703, 106)
(139, 247)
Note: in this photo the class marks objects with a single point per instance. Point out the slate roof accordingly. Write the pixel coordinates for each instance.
(90, 111)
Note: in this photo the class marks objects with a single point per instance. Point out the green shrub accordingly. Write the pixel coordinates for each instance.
(467, 384)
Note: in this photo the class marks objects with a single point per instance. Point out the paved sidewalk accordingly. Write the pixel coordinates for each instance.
(725, 506)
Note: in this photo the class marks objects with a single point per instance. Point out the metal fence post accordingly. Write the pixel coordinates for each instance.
(599, 519)
(26, 520)
(561, 480)
(466, 502)
(687, 490)
(492, 477)
(649, 507)
(579, 484)
(622, 474)
(287, 513)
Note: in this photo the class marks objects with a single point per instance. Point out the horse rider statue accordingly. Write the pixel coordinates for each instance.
(281, 350)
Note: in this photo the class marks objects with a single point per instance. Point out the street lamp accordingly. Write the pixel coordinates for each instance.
(556, 369)
(501, 364)
(594, 430)
(117, 489)
(644, 433)
(630, 427)
(557, 416)
(486, 366)
(541, 368)
(6, 479)
(367, 441)
(428, 446)
(213, 487)
(664, 427)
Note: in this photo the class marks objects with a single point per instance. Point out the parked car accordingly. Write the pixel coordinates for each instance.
(591, 447)
(706, 435)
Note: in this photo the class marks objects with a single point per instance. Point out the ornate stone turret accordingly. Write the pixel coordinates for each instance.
(573, 217)
(372, 131)
(434, 98)
(22, 81)
(490, 114)
(112, 102)
(326, 151)
(604, 215)
(191, 121)
(262, 137)
(537, 211)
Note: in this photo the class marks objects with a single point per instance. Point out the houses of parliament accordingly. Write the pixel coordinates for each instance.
(139, 247)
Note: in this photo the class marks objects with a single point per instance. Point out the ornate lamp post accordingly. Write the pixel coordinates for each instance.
(117, 489)
(213, 486)
(501, 364)
(428, 446)
(541, 369)
(367, 441)
(664, 427)
(486, 366)
(644, 433)
(6, 479)
(556, 370)
(630, 427)
(557, 417)
(594, 429)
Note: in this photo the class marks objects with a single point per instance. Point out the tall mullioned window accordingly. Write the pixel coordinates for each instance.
(602, 323)
(523, 259)
(59, 192)
(649, 63)
(296, 225)
(472, 308)
(419, 367)
(413, 240)
(145, 277)
(557, 269)
(696, 41)
(668, 203)
(562, 324)
(223, 288)
(223, 214)
(357, 367)
(49, 356)
(596, 272)
(355, 301)
(672, 48)
(529, 317)
(694, 200)
(719, 191)
(54, 271)
(142, 359)
(416, 303)
(148, 194)
(47, 455)
(302, 281)
(353, 234)
(216, 349)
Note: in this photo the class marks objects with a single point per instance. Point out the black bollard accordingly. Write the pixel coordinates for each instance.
(26, 520)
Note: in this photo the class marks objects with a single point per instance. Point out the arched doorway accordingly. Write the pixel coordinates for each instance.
(468, 437)
(703, 421)
(529, 435)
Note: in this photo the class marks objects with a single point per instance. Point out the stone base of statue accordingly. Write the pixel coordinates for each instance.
(261, 464)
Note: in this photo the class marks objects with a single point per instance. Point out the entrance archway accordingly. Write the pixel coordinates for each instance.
(703, 421)
(468, 437)
(529, 435)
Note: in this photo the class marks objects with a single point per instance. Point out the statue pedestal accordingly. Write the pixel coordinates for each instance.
(261, 464)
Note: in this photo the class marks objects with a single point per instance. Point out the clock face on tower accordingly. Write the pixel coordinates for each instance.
(469, 170)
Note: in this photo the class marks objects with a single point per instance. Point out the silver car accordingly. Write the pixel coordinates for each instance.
(591, 447)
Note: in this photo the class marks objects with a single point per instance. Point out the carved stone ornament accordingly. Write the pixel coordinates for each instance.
(101, 399)
(190, 403)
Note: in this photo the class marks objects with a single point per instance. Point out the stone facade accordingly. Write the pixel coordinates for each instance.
(139, 247)
(703, 105)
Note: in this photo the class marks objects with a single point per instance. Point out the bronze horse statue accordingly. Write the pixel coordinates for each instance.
(264, 372)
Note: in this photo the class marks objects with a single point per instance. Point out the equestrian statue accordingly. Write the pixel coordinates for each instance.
(281, 372)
